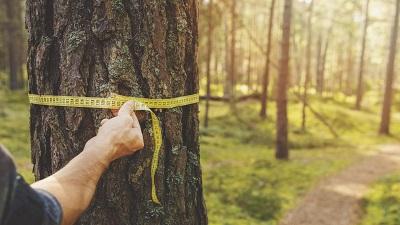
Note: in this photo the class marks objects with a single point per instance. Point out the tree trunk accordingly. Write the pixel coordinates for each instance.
(318, 70)
(132, 48)
(216, 78)
(209, 55)
(227, 82)
(360, 86)
(232, 64)
(323, 66)
(339, 69)
(249, 71)
(308, 66)
(388, 97)
(14, 27)
(350, 66)
(282, 150)
(265, 81)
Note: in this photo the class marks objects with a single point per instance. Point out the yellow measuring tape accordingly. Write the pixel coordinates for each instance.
(115, 102)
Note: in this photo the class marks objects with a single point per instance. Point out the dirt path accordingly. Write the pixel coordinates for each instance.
(336, 200)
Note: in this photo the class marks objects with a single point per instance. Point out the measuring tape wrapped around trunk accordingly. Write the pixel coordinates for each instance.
(115, 102)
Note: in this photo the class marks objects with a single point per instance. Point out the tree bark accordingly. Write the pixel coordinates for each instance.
(265, 81)
(133, 48)
(282, 150)
(388, 97)
(308, 66)
(209, 55)
(360, 86)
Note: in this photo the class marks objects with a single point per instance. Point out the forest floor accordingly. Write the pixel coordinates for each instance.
(243, 183)
(337, 200)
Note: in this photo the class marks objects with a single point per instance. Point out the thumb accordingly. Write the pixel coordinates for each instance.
(127, 109)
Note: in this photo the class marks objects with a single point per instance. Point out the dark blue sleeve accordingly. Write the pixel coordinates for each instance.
(32, 207)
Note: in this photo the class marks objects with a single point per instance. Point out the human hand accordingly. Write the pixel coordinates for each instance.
(120, 136)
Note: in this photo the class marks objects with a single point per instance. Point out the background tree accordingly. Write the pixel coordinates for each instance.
(14, 42)
(209, 55)
(265, 84)
(149, 49)
(308, 65)
(232, 55)
(388, 97)
(282, 149)
(360, 86)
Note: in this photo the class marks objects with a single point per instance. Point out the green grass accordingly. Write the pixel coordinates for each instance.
(382, 204)
(14, 129)
(243, 182)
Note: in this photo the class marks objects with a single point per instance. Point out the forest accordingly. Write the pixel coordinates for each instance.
(298, 121)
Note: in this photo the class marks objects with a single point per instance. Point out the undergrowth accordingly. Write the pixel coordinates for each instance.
(243, 182)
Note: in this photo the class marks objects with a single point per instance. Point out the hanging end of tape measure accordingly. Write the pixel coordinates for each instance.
(154, 197)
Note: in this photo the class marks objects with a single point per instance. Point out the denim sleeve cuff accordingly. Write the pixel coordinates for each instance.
(53, 208)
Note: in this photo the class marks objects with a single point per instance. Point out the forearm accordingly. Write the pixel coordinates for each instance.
(75, 184)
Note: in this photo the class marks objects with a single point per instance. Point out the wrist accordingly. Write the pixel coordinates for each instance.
(100, 150)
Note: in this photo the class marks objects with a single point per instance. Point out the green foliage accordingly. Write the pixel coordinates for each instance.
(243, 183)
(382, 204)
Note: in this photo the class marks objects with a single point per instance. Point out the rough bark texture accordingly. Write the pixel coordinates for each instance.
(360, 85)
(130, 47)
(388, 97)
(282, 149)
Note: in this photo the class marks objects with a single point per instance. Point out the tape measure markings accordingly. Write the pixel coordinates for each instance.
(115, 102)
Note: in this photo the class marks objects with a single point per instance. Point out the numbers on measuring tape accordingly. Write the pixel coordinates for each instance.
(115, 102)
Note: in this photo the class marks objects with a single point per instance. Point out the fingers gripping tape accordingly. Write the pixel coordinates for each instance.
(115, 102)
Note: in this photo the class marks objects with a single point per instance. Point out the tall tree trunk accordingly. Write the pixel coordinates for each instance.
(308, 66)
(209, 55)
(350, 66)
(388, 97)
(14, 27)
(323, 66)
(249, 71)
(227, 82)
(282, 149)
(318, 70)
(298, 63)
(232, 64)
(133, 48)
(339, 69)
(360, 86)
(265, 81)
(217, 55)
